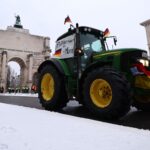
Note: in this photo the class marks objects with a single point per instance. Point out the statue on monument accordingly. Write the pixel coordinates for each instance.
(18, 22)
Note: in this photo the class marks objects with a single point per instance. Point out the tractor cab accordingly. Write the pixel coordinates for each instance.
(80, 40)
(91, 41)
(81, 43)
(78, 46)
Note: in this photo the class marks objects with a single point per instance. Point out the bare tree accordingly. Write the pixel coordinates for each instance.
(11, 77)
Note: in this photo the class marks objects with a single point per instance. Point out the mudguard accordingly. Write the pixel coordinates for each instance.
(58, 64)
(93, 66)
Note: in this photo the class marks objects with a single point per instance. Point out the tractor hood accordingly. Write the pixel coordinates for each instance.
(117, 52)
(123, 58)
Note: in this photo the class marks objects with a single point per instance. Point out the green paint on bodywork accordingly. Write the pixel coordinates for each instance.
(64, 66)
(70, 80)
(115, 52)
(112, 57)
(103, 56)
(106, 53)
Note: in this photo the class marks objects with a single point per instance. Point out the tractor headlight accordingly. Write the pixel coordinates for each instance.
(144, 62)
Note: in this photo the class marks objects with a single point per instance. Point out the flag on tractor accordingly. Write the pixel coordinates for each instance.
(57, 53)
(106, 32)
(67, 20)
(142, 69)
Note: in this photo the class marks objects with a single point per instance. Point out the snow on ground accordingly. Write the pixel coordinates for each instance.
(24, 128)
(19, 94)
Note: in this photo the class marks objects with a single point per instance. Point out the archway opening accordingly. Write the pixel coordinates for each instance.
(13, 75)
(15, 67)
(16, 72)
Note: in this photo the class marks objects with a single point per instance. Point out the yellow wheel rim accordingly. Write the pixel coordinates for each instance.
(101, 93)
(47, 87)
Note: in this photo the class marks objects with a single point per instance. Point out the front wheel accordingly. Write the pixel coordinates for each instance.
(107, 93)
(51, 89)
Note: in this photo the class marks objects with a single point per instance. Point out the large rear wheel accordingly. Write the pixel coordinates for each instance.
(51, 89)
(107, 93)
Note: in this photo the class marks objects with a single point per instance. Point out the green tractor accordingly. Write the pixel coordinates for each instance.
(106, 82)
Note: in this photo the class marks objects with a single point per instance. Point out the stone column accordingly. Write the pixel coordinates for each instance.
(4, 62)
(146, 24)
(30, 56)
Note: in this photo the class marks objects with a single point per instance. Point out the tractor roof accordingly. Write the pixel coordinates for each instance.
(82, 29)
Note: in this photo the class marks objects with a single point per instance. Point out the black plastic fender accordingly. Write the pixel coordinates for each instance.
(52, 62)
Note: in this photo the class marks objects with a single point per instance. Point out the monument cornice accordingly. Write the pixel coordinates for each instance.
(145, 23)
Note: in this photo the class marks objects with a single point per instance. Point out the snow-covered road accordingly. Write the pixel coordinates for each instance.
(24, 128)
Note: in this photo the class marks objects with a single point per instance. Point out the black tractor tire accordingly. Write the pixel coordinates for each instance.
(107, 93)
(142, 102)
(51, 89)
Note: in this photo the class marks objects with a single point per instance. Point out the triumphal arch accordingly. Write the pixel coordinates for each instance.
(17, 44)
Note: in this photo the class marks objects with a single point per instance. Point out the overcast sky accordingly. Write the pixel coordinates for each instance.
(46, 17)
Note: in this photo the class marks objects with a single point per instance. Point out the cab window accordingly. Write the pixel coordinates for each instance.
(90, 42)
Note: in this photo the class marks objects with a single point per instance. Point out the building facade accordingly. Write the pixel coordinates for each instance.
(146, 24)
(17, 44)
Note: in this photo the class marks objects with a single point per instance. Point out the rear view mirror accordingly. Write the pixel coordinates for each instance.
(115, 40)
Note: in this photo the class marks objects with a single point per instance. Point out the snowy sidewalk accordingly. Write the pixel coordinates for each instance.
(31, 129)
(19, 94)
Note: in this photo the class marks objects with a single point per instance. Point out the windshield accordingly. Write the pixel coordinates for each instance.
(90, 42)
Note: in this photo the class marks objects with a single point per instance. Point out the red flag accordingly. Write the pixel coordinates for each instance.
(67, 20)
(57, 53)
(106, 32)
(141, 68)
